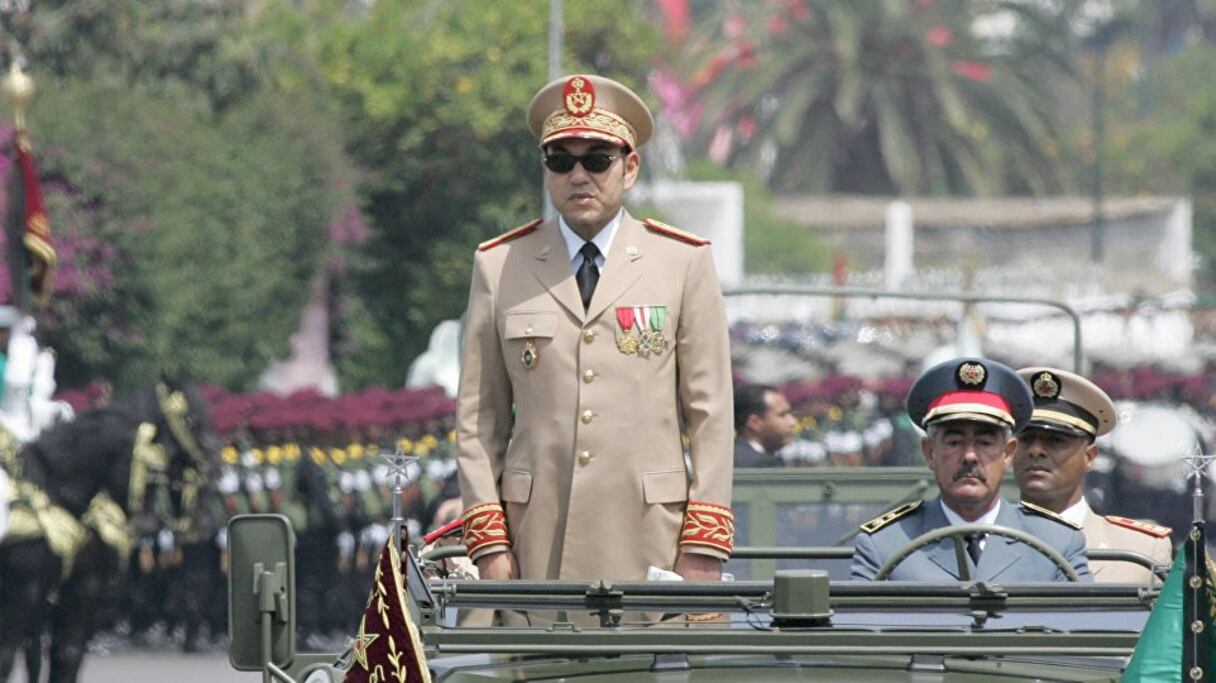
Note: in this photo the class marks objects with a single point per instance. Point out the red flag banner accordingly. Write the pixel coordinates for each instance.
(387, 647)
(36, 227)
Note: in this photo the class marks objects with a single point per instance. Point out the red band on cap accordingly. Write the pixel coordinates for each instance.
(984, 398)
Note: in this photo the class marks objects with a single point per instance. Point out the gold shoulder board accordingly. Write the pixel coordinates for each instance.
(1142, 527)
(890, 516)
(665, 229)
(1044, 512)
(509, 235)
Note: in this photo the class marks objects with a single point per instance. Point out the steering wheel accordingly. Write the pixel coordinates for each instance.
(961, 531)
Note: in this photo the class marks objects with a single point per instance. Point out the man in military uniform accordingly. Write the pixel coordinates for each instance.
(594, 342)
(969, 408)
(764, 424)
(1056, 450)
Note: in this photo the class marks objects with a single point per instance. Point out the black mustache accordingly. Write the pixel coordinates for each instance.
(970, 471)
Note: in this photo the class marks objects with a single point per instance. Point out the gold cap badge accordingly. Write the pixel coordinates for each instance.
(1046, 385)
(972, 374)
(578, 96)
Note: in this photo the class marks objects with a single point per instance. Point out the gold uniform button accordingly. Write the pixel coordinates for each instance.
(584, 457)
(588, 416)
(588, 336)
(588, 376)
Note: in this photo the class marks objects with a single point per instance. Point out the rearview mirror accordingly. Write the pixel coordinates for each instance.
(261, 591)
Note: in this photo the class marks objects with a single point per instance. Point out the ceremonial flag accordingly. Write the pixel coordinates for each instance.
(387, 647)
(1177, 643)
(36, 229)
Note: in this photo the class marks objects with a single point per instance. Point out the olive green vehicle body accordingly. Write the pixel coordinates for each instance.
(924, 633)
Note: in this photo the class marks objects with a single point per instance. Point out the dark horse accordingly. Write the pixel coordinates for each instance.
(155, 444)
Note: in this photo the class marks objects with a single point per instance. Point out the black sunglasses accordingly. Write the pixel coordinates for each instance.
(594, 162)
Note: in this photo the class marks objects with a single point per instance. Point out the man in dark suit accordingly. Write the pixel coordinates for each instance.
(764, 423)
(970, 408)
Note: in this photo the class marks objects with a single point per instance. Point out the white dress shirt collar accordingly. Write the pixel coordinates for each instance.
(987, 518)
(1077, 512)
(602, 240)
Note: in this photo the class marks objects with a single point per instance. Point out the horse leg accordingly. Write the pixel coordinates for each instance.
(27, 570)
(73, 619)
(33, 660)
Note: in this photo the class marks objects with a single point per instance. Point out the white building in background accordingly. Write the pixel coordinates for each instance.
(1134, 304)
(1011, 245)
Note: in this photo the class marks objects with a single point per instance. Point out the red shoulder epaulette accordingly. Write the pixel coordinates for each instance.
(665, 229)
(509, 235)
(1142, 527)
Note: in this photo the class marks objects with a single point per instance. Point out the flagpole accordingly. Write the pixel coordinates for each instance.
(399, 464)
(1196, 604)
(18, 88)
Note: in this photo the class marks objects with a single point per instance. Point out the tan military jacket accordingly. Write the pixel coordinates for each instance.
(584, 447)
(1100, 532)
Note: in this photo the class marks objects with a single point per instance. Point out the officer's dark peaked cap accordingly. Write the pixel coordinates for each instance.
(976, 389)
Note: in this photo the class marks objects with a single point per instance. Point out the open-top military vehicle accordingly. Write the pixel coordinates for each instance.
(790, 614)
(798, 625)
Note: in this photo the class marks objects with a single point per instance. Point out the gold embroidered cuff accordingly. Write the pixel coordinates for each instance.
(485, 525)
(709, 525)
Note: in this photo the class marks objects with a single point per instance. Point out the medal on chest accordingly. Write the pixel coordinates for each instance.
(641, 329)
(626, 343)
(530, 356)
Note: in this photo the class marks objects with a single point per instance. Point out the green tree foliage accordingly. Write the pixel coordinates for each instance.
(1161, 132)
(435, 95)
(205, 46)
(197, 184)
(214, 223)
(880, 97)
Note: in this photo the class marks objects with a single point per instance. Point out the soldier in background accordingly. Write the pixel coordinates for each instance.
(1056, 450)
(764, 424)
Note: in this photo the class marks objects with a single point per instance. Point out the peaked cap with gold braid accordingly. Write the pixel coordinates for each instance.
(589, 108)
(1067, 402)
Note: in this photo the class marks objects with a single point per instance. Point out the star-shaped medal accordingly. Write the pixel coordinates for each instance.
(363, 640)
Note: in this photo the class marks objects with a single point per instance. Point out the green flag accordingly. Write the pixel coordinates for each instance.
(1177, 643)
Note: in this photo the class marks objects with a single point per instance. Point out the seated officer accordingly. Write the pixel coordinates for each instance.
(969, 408)
(1056, 450)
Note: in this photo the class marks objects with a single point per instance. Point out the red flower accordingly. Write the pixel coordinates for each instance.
(734, 26)
(709, 72)
(971, 70)
(798, 9)
(747, 126)
(745, 55)
(939, 36)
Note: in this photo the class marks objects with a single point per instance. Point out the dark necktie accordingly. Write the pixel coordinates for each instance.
(588, 275)
(973, 547)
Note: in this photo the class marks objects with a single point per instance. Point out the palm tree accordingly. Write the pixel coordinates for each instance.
(880, 96)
